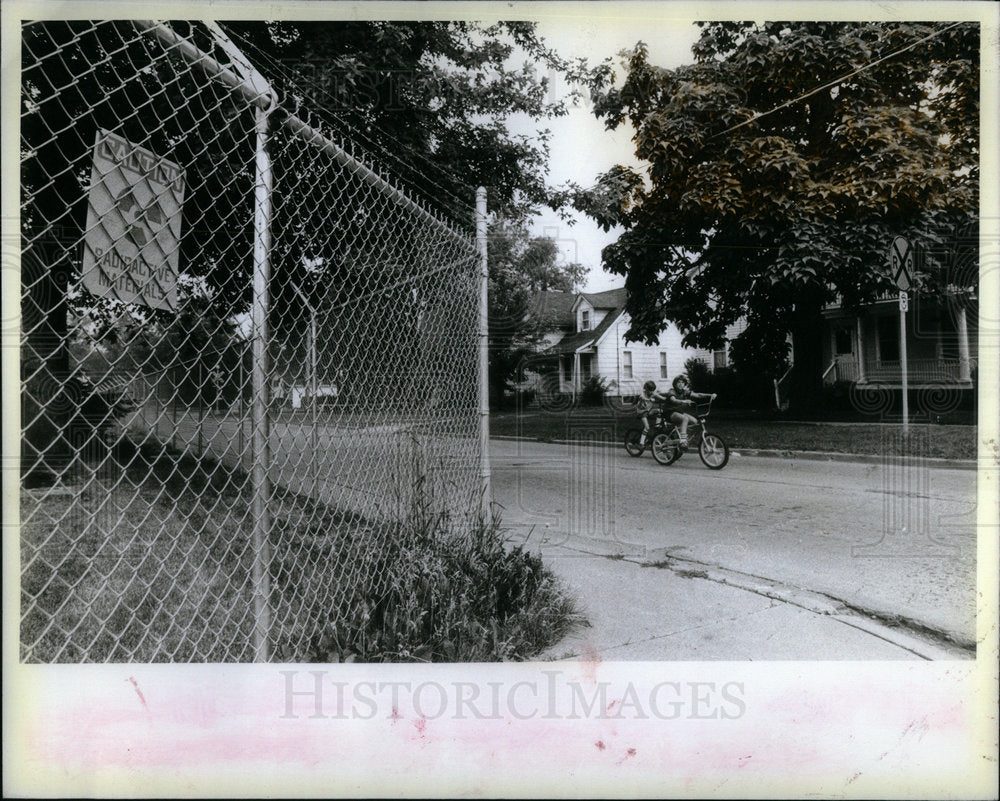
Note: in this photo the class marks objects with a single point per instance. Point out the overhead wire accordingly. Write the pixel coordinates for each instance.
(836, 81)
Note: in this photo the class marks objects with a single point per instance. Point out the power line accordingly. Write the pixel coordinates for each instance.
(839, 80)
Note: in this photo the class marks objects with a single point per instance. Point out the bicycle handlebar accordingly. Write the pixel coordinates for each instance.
(695, 404)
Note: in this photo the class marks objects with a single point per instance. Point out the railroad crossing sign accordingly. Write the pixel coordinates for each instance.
(132, 244)
(901, 263)
(901, 270)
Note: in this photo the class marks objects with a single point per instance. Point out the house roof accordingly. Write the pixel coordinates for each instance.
(556, 307)
(609, 299)
(612, 300)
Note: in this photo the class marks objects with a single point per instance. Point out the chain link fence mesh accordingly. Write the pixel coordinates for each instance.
(156, 377)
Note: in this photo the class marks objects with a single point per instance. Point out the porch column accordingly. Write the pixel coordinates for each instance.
(964, 372)
(861, 350)
(576, 372)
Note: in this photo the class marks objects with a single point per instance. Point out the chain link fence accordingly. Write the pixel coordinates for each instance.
(246, 358)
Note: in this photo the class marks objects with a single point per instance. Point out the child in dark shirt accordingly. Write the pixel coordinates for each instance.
(679, 399)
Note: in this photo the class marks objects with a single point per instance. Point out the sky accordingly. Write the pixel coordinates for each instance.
(581, 148)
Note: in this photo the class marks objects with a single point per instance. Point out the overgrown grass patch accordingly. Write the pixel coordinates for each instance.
(153, 562)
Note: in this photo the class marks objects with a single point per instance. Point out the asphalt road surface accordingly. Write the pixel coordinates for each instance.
(752, 561)
(886, 542)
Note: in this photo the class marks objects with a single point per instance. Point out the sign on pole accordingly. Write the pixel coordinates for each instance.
(901, 270)
(901, 263)
(132, 242)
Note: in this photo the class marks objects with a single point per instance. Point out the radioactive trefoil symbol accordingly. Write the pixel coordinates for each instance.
(139, 221)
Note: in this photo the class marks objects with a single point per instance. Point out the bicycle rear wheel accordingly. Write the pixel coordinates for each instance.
(632, 442)
(713, 451)
(666, 448)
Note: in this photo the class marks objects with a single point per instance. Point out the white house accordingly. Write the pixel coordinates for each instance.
(587, 338)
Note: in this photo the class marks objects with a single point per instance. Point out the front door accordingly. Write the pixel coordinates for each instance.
(844, 352)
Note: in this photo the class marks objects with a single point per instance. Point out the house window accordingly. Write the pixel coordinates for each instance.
(626, 364)
(663, 365)
(843, 341)
(585, 320)
(888, 339)
(719, 359)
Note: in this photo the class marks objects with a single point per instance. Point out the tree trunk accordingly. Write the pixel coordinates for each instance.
(806, 378)
(47, 400)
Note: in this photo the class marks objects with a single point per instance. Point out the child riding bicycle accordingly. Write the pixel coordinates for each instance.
(678, 400)
(648, 409)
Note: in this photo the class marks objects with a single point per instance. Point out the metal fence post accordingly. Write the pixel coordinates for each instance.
(242, 421)
(484, 356)
(315, 403)
(260, 404)
(130, 582)
(201, 411)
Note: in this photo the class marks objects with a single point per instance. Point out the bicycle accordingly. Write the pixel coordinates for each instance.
(712, 449)
(633, 436)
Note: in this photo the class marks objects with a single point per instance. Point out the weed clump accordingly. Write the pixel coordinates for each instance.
(438, 593)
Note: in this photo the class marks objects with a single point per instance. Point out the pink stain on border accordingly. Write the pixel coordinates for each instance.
(135, 686)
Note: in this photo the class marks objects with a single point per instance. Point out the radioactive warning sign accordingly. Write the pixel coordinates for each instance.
(132, 243)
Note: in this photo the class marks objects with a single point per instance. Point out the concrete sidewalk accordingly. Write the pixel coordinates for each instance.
(640, 611)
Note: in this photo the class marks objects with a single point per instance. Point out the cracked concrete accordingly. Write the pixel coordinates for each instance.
(773, 560)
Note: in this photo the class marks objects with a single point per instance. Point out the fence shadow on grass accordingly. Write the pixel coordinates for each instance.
(151, 562)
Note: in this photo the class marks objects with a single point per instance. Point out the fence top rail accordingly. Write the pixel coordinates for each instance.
(254, 95)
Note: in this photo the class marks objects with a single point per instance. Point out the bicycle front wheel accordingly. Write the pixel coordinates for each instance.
(666, 449)
(633, 444)
(713, 452)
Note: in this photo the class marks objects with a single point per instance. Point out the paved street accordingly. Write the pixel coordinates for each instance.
(880, 543)
(768, 558)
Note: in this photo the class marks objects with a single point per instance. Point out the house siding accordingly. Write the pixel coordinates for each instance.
(645, 358)
(596, 316)
(606, 355)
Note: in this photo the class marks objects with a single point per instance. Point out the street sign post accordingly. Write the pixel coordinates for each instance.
(901, 270)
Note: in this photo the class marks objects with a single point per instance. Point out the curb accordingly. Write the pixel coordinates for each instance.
(815, 456)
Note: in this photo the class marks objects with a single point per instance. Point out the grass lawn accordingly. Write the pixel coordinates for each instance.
(935, 441)
(149, 559)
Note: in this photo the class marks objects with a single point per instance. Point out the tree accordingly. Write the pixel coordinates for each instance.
(424, 102)
(427, 101)
(781, 164)
(519, 267)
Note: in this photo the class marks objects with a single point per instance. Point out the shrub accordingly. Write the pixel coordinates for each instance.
(699, 373)
(443, 595)
(837, 397)
(736, 389)
(65, 415)
(593, 390)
